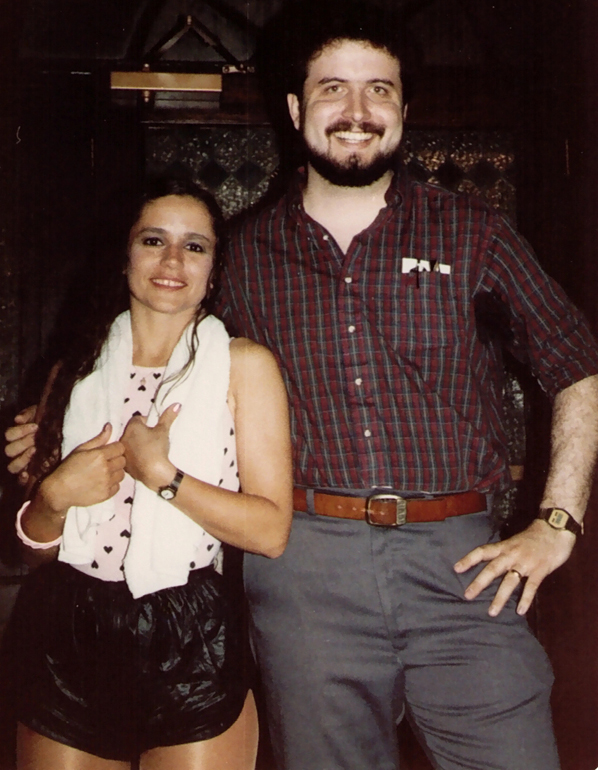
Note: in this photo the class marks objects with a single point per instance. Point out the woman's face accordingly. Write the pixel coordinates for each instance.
(171, 255)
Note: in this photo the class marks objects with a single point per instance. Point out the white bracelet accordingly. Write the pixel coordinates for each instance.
(27, 540)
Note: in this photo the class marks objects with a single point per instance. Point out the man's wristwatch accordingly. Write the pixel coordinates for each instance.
(169, 491)
(559, 518)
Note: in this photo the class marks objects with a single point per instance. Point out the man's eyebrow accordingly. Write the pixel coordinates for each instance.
(324, 81)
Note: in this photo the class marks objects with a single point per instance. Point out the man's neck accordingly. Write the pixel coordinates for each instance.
(344, 211)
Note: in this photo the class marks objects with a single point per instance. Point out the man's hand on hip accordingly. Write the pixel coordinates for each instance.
(529, 557)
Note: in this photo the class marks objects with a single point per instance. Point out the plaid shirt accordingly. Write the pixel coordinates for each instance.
(391, 353)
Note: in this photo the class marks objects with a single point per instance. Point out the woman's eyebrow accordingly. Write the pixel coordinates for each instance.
(151, 230)
(199, 236)
(162, 230)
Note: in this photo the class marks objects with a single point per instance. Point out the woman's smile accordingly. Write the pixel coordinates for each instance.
(168, 283)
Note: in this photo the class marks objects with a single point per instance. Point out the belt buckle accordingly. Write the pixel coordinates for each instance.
(375, 518)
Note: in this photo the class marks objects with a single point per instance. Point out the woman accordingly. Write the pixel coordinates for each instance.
(128, 646)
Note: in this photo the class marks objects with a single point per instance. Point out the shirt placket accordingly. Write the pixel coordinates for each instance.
(356, 351)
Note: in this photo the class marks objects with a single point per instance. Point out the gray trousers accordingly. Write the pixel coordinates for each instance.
(355, 625)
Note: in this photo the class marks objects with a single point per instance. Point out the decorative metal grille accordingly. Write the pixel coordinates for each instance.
(236, 163)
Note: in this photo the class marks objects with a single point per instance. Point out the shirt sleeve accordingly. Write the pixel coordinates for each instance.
(546, 329)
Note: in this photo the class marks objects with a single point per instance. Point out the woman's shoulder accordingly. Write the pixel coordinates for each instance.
(244, 348)
(250, 358)
(255, 380)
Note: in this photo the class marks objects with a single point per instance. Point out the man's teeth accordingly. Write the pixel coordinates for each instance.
(353, 136)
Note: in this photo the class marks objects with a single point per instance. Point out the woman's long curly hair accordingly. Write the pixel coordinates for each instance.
(87, 338)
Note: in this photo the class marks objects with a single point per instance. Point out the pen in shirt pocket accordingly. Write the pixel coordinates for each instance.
(417, 266)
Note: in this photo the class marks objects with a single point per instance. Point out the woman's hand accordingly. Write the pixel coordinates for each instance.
(90, 474)
(146, 449)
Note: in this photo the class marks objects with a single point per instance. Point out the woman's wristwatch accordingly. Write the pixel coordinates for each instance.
(169, 491)
(559, 518)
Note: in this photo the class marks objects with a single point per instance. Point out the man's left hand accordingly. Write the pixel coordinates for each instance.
(529, 557)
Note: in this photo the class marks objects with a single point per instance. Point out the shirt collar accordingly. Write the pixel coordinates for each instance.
(294, 194)
(395, 195)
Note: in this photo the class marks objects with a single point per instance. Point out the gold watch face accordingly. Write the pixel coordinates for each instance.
(558, 518)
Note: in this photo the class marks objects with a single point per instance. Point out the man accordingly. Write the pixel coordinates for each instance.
(368, 289)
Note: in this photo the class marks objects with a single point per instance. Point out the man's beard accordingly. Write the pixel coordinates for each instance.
(352, 172)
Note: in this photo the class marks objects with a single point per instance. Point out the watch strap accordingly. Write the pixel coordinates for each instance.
(559, 518)
(168, 492)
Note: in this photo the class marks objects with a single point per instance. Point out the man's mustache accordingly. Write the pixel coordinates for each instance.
(347, 125)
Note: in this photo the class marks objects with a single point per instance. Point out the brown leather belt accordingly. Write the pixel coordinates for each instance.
(389, 510)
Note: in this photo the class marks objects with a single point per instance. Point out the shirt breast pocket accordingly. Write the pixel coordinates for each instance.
(421, 314)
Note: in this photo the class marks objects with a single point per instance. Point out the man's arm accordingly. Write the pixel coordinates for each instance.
(539, 550)
(20, 437)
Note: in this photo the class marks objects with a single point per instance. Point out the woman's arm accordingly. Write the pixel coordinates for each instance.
(90, 474)
(258, 518)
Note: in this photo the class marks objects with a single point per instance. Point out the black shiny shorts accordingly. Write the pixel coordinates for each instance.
(115, 676)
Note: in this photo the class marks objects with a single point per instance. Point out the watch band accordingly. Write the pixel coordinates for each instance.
(559, 518)
(169, 491)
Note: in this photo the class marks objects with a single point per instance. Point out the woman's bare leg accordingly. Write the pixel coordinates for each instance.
(36, 752)
(235, 749)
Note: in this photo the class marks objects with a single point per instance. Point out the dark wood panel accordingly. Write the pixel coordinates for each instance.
(568, 627)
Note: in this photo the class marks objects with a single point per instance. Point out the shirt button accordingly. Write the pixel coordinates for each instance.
(326, 237)
(358, 381)
(348, 279)
(367, 433)
(351, 329)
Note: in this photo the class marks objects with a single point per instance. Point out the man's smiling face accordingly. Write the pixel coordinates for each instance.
(351, 112)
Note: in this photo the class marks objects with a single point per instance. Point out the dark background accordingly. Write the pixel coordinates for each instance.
(527, 69)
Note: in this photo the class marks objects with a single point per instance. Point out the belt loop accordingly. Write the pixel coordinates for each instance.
(310, 501)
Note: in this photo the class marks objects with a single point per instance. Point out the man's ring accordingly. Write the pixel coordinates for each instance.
(516, 571)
